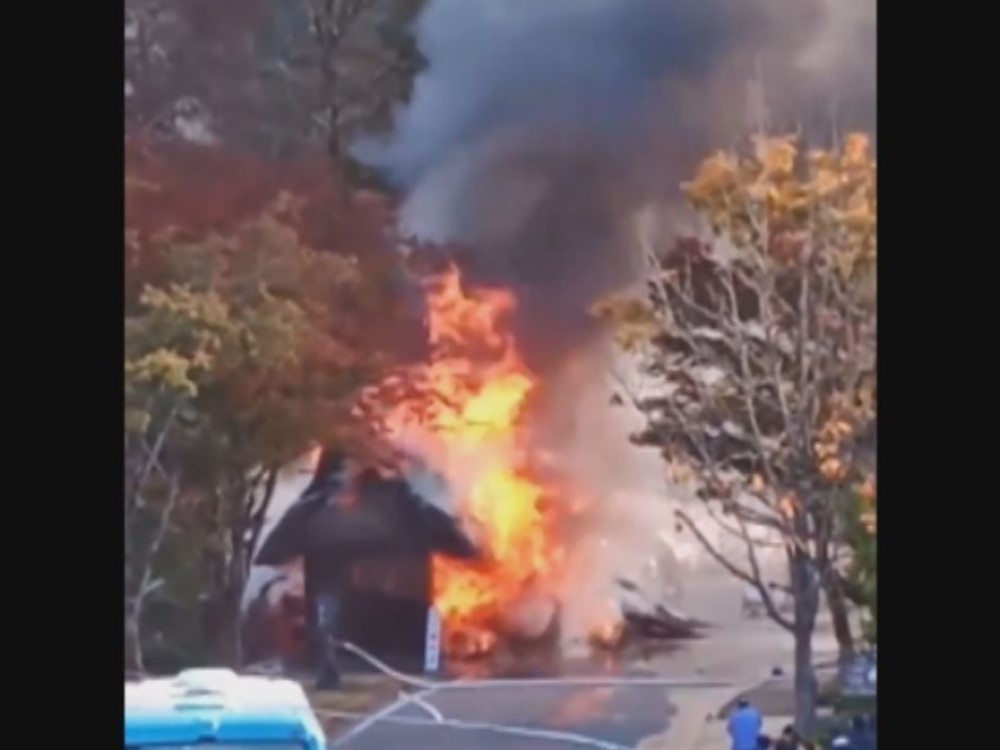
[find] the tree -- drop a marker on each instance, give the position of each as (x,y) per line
(368,59)
(242,350)
(198,71)
(860,582)
(760,340)
(193,190)
(270,77)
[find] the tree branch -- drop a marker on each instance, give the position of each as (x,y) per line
(758,519)
(152,457)
(752,578)
(146,583)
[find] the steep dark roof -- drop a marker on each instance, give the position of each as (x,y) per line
(387,519)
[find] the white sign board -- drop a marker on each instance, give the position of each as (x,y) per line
(432,644)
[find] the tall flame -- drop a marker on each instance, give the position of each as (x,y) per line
(468,407)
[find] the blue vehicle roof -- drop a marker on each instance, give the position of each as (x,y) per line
(219,706)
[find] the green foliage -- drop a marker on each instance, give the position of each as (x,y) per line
(246,332)
(862,574)
(242,351)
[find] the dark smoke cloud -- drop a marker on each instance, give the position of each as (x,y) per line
(539,126)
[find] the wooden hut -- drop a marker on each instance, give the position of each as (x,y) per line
(365,540)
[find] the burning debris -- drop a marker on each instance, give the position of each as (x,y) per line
(641,618)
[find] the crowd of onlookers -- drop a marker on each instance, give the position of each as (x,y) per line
(746,733)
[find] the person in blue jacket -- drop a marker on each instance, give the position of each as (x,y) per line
(745,725)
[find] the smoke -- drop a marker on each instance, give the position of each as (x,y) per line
(628,529)
(537,133)
(538,126)
(506,62)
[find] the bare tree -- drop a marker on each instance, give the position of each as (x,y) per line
(761,340)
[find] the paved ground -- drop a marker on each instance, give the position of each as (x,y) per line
(742,651)
(541,714)
(530,715)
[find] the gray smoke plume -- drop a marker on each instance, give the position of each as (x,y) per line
(539,126)
(537,134)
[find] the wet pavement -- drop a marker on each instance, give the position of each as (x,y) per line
(524,714)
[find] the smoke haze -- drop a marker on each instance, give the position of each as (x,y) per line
(539,126)
(541,129)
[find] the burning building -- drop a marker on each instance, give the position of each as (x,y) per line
(533,137)
(480,526)
(365,541)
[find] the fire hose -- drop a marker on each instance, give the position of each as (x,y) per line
(437,718)
(384,668)
(465,683)
(540,734)
(426,687)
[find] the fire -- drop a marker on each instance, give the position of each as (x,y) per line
(607,635)
(468,405)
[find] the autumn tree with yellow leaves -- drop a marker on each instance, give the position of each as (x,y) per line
(759,340)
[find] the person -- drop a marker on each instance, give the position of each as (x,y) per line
(745,725)
(788,740)
(764,742)
(861,736)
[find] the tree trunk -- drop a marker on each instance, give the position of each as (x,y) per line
(222,609)
(837,603)
(228,572)
(806,589)
(237,584)
(806,686)
(146,584)
(134,662)
(223,625)
(230,623)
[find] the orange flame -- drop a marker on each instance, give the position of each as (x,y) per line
(469,404)
(607,635)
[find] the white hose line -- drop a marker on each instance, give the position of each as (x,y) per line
(537,734)
(564,682)
(555,682)
(367,720)
(416,700)
(385,669)
(428,687)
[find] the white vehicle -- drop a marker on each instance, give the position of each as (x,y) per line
(217,709)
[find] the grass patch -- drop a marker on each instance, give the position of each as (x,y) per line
(357,695)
